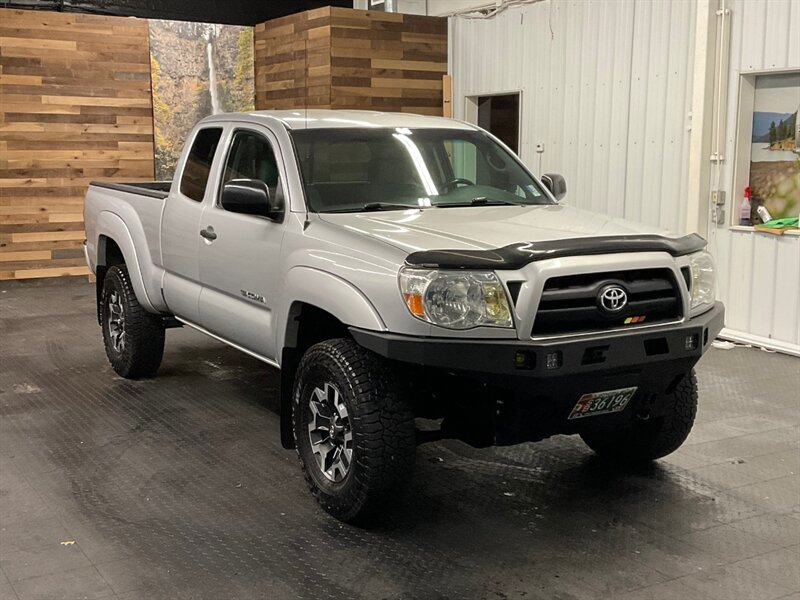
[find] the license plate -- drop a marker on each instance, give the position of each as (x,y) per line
(601,403)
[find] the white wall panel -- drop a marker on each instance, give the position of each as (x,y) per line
(785,317)
(407,7)
(760,274)
(605,87)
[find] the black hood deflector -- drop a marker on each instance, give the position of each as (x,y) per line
(516,256)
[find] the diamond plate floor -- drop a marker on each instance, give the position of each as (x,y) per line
(178,488)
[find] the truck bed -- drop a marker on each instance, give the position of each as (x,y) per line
(130,214)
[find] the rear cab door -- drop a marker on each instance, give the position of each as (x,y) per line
(180,222)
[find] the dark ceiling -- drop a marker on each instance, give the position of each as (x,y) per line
(233,12)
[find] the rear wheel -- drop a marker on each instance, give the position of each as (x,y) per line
(354,430)
(133,337)
(647,440)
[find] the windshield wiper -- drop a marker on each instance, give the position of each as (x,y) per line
(481,201)
(387,206)
(374,206)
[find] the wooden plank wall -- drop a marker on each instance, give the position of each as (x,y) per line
(344,58)
(293,61)
(387,61)
(75,106)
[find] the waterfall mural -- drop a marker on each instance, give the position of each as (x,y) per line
(196,69)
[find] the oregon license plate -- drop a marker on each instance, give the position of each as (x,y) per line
(601,403)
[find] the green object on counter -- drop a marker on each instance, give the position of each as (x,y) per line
(788,222)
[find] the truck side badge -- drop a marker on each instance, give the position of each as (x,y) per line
(253,296)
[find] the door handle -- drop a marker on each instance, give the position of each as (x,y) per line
(208,234)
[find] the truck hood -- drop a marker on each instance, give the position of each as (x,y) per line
(483,227)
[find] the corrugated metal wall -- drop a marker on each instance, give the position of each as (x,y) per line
(605,87)
(760,274)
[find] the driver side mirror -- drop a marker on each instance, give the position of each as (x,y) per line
(556,184)
(250,197)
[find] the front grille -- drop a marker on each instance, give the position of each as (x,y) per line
(570,304)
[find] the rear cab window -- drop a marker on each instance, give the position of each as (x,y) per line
(198,164)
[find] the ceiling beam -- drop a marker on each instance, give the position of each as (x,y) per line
(229,12)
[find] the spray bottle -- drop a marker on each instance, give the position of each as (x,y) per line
(744,208)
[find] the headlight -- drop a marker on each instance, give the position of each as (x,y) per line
(455,299)
(703,283)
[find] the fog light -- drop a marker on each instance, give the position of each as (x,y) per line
(554,360)
(525,360)
(690,343)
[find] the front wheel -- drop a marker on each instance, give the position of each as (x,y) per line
(353,428)
(133,337)
(644,441)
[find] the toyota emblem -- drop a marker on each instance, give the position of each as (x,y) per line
(612,298)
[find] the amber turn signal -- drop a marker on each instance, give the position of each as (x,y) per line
(414,304)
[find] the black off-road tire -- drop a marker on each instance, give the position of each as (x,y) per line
(140,354)
(645,441)
(381,424)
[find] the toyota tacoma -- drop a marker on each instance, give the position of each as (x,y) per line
(413,281)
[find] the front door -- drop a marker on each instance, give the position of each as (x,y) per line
(239,266)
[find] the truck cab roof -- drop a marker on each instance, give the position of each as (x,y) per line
(325,118)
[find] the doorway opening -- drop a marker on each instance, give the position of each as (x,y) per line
(499,115)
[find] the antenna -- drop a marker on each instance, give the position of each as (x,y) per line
(305,76)
(307,222)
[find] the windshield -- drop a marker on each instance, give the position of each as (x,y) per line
(353,170)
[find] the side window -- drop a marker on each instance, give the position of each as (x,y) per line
(251,157)
(198,163)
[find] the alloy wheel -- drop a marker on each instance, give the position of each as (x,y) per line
(116,322)
(330,432)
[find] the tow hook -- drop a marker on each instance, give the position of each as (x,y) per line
(644,411)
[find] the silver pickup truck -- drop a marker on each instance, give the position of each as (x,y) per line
(412,281)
